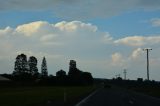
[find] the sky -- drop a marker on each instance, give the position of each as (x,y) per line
(103,36)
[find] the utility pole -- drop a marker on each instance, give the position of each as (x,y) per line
(147,50)
(125,72)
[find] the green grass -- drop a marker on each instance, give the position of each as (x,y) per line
(35,96)
(149,90)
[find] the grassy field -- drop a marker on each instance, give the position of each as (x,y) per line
(149,90)
(42,96)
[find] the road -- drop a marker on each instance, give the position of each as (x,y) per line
(118,97)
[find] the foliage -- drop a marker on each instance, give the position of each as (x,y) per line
(78,77)
(87,78)
(44,72)
(25,71)
(21,65)
(33,70)
(61,73)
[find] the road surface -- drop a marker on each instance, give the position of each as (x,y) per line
(118,97)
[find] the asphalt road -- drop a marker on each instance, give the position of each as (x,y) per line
(118,97)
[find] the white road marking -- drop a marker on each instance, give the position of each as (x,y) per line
(85,99)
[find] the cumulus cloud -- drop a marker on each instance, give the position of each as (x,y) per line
(155,22)
(5,31)
(118,59)
(133,61)
(42,32)
(80,9)
(32,28)
(136,53)
(75,25)
(138,40)
(63,41)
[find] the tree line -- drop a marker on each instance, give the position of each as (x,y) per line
(26,71)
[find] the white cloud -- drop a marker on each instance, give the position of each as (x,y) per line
(4,32)
(118,60)
(136,53)
(74,26)
(37,28)
(138,40)
(47,38)
(107,38)
(116,57)
(131,41)
(41,33)
(41,28)
(155,22)
(59,41)
(84,42)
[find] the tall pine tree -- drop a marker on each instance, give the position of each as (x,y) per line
(44,71)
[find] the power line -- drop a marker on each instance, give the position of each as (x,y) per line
(147,50)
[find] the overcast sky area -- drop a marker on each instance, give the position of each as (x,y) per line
(103,36)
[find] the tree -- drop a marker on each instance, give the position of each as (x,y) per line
(25,71)
(21,65)
(87,78)
(60,73)
(61,78)
(73,71)
(78,77)
(21,71)
(32,63)
(44,71)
